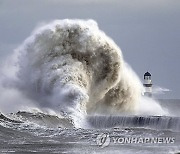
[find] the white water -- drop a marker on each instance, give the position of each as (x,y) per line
(71,66)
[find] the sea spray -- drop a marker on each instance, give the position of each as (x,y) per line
(149,106)
(73,68)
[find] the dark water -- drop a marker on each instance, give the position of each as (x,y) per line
(26,132)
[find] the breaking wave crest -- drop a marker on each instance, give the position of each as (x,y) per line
(72,67)
(39,119)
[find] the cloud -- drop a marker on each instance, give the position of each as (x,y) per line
(160,90)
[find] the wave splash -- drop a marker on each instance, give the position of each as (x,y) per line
(72,67)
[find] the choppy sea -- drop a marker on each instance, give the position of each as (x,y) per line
(26,132)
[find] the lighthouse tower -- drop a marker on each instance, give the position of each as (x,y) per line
(147,84)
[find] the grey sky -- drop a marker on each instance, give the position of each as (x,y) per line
(147,31)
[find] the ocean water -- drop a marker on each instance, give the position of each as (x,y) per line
(24,132)
(67,89)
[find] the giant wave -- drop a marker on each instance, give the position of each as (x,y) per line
(75,69)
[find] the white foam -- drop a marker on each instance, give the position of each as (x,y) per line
(71,66)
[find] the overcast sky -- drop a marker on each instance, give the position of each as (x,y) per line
(147,31)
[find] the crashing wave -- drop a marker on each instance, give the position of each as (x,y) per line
(73,66)
(150,122)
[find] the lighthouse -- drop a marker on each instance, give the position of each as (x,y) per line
(147,84)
